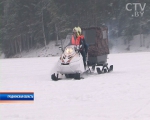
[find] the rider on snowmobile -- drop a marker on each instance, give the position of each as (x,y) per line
(79,40)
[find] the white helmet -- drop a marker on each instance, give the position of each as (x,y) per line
(79,30)
(75,30)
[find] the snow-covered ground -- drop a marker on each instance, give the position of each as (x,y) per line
(123,94)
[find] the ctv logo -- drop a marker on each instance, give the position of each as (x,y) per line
(137,8)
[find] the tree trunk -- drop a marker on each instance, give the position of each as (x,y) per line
(56,31)
(31,40)
(19,43)
(141,34)
(16,46)
(12,47)
(24,42)
(28,41)
(43,28)
(26,45)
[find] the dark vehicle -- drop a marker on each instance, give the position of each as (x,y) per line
(97,39)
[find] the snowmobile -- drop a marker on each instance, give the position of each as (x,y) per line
(71,64)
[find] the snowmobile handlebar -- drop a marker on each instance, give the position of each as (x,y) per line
(78,47)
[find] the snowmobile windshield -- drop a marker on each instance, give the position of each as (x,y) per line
(67,41)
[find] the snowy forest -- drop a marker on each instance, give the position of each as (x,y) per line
(24,24)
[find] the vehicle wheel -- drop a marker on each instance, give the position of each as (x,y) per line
(105,70)
(111,68)
(98,70)
(53,77)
